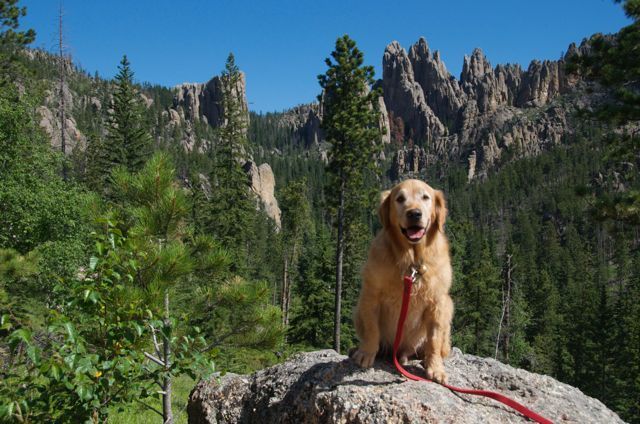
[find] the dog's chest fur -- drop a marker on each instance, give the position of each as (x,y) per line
(422,298)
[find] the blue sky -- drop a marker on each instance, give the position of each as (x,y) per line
(281,45)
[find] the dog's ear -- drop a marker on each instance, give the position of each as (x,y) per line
(383,209)
(441,210)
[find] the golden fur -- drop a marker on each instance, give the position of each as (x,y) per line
(411,204)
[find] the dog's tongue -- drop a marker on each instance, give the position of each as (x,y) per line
(415,233)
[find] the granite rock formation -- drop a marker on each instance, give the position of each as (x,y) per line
(194,102)
(486,112)
(304,121)
(404,96)
(197,101)
(474,119)
(441,91)
(263,185)
(325,387)
(409,161)
(51,124)
(201,102)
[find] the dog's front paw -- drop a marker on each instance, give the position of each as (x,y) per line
(437,375)
(436,372)
(363,358)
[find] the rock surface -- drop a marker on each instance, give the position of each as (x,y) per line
(487,111)
(441,91)
(263,184)
(404,96)
(304,122)
(50,122)
(325,387)
(196,101)
(408,162)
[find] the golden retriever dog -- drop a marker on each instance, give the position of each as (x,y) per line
(412,236)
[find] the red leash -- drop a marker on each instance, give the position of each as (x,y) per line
(408,282)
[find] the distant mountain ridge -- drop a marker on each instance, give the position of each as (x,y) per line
(486,117)
(483,114)
(476,119)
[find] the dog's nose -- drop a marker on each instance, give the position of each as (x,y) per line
(414,214)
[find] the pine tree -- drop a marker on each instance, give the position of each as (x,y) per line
(312,305)
(296,215)
(614,62)
(157,207)
(626,333)
(581,301)
(232,210)
(11,40)
(477,300)
(350,122)
(128,142)
(546,322)
(511,341)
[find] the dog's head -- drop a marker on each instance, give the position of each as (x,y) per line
(413,211)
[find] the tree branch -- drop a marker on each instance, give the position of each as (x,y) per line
(150,407)
(154,359)
(155,340)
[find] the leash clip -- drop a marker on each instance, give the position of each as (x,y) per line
(413,278)
(414,271)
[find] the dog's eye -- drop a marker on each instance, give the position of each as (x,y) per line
(400,199)
(425,197)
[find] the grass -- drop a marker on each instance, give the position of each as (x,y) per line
(138,414)
(243,361)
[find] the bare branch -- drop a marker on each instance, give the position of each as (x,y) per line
(156,345)
(154,359)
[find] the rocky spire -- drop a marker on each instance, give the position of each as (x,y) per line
(480,82)
(475,67)
(405,98)
(479,115)
(540,83)
(441,91)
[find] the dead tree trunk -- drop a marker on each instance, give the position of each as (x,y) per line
(339,260)
(285,288)
(505,319)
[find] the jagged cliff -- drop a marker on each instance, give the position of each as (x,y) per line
(195,102)
(203,101)
(425,112)
(483,114)
(305,122)
(474,119)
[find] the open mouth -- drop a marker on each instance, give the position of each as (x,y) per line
(414,233)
